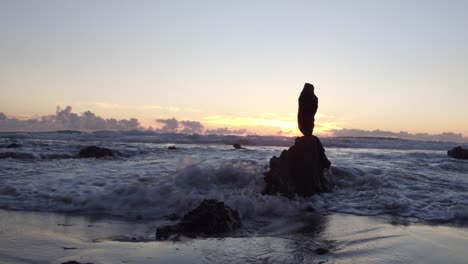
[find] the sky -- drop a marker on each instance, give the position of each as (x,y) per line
(388,65)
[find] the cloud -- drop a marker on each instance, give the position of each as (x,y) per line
(173,108)
(284,133)
(191,127)
(170,125)
(446,136)
(226,131)
(65,119)
(111,106)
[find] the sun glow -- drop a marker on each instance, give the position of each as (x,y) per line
(269,123)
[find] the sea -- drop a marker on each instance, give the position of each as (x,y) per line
(405,180)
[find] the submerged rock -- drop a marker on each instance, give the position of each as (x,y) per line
(16,155)
(458,153)
(302,169)
(97,152)
(75,262)
(237,146)
(321,251)
(211,217)
(12,145)
(308,105)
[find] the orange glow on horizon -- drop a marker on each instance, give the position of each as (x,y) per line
(269,126)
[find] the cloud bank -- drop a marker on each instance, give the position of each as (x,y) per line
(65,119)
(446,136)
(226,131)
(172,125)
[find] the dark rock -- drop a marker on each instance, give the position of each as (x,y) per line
(96,152)
(458,153)
(303,168)
(238,146)
(74,262)
(172,148)
(321,251)
(308,104)
(299,170)
(13,145)
(209,218)
(171,217)
(68,132)
(16,155)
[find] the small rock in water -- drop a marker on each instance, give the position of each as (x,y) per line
(458,153)
(172,148)
(321,251)
(96,152)
(16,155)
(75,262)
(13,145)
(238,146)
(209,218)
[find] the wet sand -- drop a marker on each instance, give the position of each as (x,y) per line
(30,237)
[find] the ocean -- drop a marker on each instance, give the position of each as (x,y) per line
(393,200)
(404,179)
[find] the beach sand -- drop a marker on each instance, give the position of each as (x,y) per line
(32,237)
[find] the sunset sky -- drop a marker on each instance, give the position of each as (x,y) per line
(389,65)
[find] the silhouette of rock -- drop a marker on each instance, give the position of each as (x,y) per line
(12,145)
(308,104)
(302,169)
(321,251)
(96,152)
(458,153)
(16,155)
(209,218)
(75,262)
(171,148)
(238,146)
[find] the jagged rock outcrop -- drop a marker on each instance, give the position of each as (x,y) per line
(209,218)
(303,168)
(97,152)
(458,153)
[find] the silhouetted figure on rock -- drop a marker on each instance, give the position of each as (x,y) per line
(302,168)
